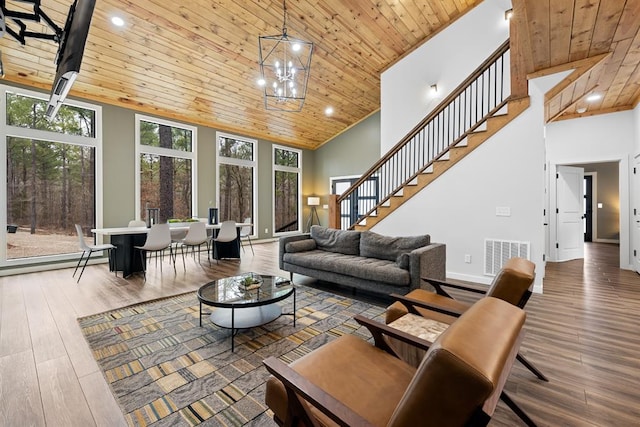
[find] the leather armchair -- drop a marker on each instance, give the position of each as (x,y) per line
(513,284)
(351,382)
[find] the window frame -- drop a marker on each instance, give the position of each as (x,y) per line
(239,162)
(292,169)
(42,135)
(167,152)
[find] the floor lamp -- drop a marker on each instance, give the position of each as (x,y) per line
(313,202)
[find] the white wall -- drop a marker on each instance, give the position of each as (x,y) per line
(459,208)
(446,60)
(601,138)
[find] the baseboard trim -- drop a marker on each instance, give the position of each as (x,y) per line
(606,241)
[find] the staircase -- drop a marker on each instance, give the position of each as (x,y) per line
(444,163)
(476,110)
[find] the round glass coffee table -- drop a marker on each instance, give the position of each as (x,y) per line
(246,301)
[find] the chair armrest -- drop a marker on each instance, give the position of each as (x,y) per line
(438,284)
(297,385)
(378,329)
(412,303)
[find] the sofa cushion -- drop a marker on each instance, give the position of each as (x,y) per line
(301,245)
(351,265)
(375,245)
(332,240)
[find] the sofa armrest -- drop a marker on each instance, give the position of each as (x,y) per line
(427,261)
(286,239)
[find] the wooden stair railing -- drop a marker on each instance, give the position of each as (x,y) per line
(481,96)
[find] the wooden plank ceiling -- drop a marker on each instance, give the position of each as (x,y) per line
(600,39)
(196,61)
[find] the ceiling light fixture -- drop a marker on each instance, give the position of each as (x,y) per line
(508,14)
(285,64)
(328,111)
(593,97)
(117,21)
(581,110)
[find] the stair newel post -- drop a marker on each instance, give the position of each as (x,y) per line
(334,212)
(519,46)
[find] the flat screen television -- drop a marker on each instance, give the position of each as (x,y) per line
(70,51)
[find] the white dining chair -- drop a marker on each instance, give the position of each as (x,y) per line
(88,250)
(158,240)
(196,237)
(245,232)
(137,223)
(226,234)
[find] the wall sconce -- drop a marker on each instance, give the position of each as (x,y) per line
(433,90)
(508,14)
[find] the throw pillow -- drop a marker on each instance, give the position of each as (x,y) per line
(403,261)
(340,241)
(301,246)
(374,245)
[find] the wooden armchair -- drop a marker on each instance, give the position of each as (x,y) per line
(512,284)
(350,382)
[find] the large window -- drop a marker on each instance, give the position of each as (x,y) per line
(286,189)
(236,167)
(166,153)
(50,169)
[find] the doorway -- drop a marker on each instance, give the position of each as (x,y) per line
(588,210)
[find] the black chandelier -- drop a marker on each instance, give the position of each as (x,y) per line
(285,63)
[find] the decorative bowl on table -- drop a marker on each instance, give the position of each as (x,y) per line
(250,282)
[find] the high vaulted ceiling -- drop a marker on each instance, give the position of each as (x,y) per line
(196,61)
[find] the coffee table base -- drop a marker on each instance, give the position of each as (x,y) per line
(243,318)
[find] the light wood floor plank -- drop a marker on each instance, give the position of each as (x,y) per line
(14,325)
(45,338)
(20,403)
(103,405)
(62,397)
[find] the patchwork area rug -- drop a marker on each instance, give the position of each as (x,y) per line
(165,370)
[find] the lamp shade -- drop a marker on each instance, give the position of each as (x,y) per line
(313,201)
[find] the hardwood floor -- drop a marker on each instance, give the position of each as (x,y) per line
(582,333)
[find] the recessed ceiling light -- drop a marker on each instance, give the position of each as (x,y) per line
(328,111)
(594,97)
(581,110)
(261,82)
(117,21)
(508,14)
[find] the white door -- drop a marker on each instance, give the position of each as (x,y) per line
(636,215)
(569,204)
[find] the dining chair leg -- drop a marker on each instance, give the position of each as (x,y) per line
(182,251)
(86,260)
(144,265)
(78,264)
(251,245)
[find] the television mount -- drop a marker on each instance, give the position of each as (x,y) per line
(17,17)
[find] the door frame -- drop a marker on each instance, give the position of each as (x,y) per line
(625,171)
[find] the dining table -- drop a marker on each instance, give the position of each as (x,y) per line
(125,239)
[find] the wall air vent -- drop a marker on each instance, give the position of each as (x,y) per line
(497,252)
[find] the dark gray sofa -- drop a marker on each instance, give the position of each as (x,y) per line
(363,260)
